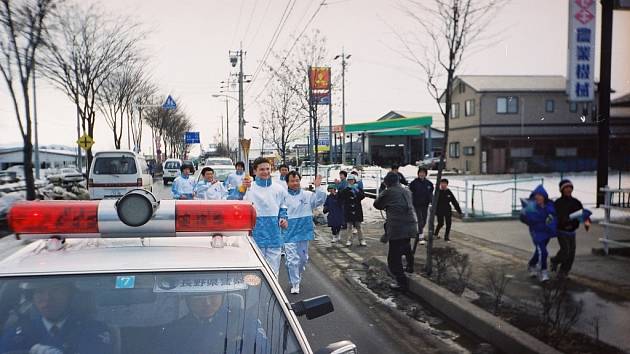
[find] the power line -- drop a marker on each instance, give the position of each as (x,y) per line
(292,46)
(238,22)
(261,22)
(249,23)
(274,38)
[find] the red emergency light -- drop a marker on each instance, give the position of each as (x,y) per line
(217,216)
(68,218)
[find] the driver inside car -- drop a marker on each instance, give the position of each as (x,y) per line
(53,327)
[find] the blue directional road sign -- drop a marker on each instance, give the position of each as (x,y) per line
(169,103)
(192,138)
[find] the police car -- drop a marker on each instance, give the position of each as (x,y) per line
(139,275)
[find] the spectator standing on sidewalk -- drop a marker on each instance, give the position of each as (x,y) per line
(401,178)
(359,181)
(568,221)
(351,198)
(540,215)
(300,231)
(400,226)
(422,191)
(332,207)
(443,211)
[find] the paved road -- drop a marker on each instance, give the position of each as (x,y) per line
(349,321)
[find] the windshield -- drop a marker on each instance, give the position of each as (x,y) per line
(119,165)
(210,312)
(218,162)
(172,165)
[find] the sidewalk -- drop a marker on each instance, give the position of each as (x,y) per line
(609,272)
(602,282)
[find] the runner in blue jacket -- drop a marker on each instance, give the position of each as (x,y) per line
(269,200)
(540,215)
(300,205)
(184,186)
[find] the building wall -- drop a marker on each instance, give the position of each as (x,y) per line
(11,158)
(464,130)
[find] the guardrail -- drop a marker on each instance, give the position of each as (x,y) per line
(622,204)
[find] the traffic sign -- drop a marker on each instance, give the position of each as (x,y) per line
(169,103)
(85,142)
(192,138)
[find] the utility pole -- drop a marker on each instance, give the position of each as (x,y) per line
(35,123)
(603,118)
(343,57)
(236,57)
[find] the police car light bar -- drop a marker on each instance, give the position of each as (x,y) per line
(99,219)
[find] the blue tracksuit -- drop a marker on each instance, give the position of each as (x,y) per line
(269,200)
(205,190)
(183,186)
(542,222)
(300,205)
(232,182)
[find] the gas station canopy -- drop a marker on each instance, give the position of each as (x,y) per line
(403,126)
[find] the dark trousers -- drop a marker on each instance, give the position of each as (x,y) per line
(566,254)
(335,230)
(398,248)
(421,214)
(441,219)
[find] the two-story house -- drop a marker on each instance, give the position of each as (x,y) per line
(507,124)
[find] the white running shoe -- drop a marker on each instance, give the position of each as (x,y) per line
(422,242)
(363,243)
(295,289)
(544,276)
(533,272)
(348,243)
(334,240)
(354,231)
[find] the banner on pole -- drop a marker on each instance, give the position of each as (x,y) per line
(581,51)
(319,78)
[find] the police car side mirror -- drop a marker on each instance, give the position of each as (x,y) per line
(313,307)
(343,347)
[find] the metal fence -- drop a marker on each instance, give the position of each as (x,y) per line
(618,200)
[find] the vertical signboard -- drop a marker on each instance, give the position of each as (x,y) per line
(581,53)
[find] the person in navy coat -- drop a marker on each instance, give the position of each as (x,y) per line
(332,207)
(53,327)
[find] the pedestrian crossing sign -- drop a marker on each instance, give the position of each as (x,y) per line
(85,142)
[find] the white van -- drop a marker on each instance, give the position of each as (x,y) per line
(114,173)
(171,170)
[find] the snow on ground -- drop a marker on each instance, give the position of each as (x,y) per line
(493,195)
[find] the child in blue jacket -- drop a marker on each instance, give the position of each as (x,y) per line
(540,215)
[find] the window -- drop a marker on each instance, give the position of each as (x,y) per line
(566,152)
(507,105)
(242,311)
(453,149)
(469,108)
(573,107)
(549,106)
(521,152)
(172,165)
(468,150)
(124,165)
(462,87)
(454,110)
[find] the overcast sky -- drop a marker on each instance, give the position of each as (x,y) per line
(189,41)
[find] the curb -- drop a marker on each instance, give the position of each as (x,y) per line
(492,329)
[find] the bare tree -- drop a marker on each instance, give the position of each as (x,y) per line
(22,32)
(144,93)
(452,27)
(294,74)
(87,47)
(282,117)
(170,126)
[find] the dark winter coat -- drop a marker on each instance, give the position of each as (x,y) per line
(332,207)
(351,200)
(542,221)
(445,199)
(401,220)
(422,190)
(565,206)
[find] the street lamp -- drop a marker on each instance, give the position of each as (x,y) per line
(227,116)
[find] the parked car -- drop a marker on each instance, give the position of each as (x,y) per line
(66,175)
(114,173)
(432,160)
(170,170)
